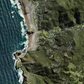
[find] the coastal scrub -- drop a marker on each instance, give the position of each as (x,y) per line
(59,56)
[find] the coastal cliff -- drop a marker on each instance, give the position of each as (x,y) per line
(56,47)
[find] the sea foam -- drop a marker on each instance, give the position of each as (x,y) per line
(22,23)
(20,72)
(16,4)
(22,30)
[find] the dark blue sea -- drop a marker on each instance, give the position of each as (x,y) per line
(12,38)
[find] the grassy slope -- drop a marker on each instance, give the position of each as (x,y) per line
(58,61)
(59,56)
(63,13)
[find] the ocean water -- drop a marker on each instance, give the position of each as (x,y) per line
(12,38)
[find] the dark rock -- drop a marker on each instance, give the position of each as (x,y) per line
(29,32)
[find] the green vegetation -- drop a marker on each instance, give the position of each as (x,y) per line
(30,31)
(62,13)
(59,57)
(34,14)
(56,60)
(17,54)
(16,57)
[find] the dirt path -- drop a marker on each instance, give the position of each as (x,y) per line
(28,10)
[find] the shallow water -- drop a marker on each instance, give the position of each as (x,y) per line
(12,38)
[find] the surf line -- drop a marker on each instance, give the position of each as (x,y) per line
(16,4)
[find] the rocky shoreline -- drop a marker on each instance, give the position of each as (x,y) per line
(28,9)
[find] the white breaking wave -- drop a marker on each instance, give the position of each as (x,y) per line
(12,12)
(24,34)
(20,72)
(12,16)
(22,30)
(15,4)
(26,42)
(21,13)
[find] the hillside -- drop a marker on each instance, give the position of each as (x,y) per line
(59,57)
